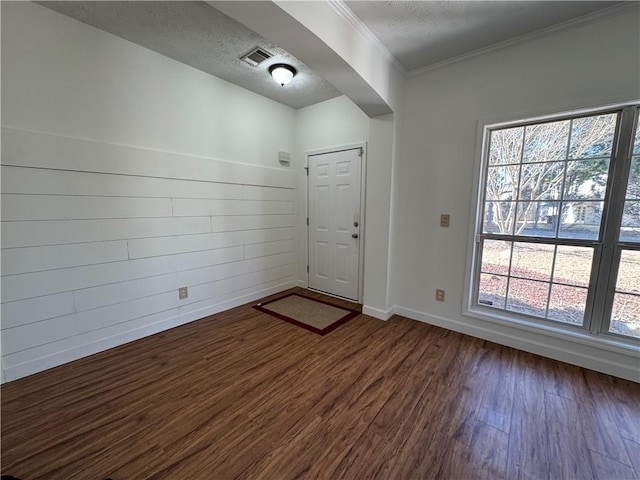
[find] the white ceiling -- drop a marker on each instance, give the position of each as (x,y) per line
(422,33)
(419,34)
(198,35)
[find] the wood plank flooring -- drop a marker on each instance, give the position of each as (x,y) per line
(244,395)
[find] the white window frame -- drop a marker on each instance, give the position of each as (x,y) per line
(594,334)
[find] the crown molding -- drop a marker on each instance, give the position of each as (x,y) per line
(345,12)
(574,22)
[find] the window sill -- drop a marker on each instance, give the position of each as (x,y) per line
(606,342)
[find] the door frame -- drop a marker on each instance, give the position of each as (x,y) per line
(363,176)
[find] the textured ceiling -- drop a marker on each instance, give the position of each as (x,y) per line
(417,33)
(422,33)
(198,35)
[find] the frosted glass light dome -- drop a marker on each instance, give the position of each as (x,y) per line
(282,73)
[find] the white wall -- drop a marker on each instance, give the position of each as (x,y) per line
(338,122)
(334,123)
(382,134)
(590,65)
(126,175)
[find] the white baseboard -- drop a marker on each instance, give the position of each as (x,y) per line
(301,284)
(587,356)
(378,313)
(14,372)
(612,363)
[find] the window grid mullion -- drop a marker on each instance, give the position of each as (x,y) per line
(479,242)
(547,240)
(610,262)
(485,180)
(553,268)
(506,291)
(518,188)
(604,266)
(564,179)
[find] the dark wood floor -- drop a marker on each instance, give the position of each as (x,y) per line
(245,395)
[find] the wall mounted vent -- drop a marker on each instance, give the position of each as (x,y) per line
(256,56)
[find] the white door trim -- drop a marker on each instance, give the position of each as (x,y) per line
(363,216)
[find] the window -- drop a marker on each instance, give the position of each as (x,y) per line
(558,236)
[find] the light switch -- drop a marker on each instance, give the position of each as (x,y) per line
(183,292)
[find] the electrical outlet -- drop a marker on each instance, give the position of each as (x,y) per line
(444,220)
(183,292)
(440,295)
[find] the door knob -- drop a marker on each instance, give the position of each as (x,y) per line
(354,235)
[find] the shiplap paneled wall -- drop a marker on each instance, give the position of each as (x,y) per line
(97,238)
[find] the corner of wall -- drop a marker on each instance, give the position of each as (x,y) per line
(378,313)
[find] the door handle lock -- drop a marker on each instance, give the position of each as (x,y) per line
(354,235)
(355,224)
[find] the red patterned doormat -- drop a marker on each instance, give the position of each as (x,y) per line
(315,315)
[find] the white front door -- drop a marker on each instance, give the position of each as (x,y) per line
(334,222)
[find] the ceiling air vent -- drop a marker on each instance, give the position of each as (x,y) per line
(256,56)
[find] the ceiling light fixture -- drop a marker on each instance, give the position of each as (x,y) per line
(282,73)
